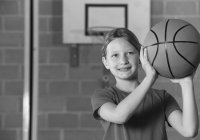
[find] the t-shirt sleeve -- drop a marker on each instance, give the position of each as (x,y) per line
(100,97)
(170,105)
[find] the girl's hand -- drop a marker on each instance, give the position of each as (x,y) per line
(185,80)
(147,67)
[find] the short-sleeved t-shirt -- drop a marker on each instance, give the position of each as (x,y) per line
(148,121)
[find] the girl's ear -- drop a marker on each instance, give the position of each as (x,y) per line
(105,62)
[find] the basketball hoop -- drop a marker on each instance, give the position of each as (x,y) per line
(99,30)
(97,33)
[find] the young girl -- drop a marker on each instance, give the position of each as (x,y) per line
(134,111)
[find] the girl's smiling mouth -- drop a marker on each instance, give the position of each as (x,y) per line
(124,69)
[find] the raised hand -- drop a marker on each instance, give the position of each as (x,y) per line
(147,67)
(184,80)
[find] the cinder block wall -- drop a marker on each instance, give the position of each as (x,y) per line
(65,91)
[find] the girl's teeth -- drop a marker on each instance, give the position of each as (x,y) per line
(124,69)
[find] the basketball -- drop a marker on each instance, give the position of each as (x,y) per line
(173,48)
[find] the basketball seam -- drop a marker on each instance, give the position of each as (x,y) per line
(156,48)
(155,44)
(166,52)
(177,49)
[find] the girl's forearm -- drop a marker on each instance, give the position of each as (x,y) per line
(126,108)
(190,120)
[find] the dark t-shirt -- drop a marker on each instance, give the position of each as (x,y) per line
(147,123)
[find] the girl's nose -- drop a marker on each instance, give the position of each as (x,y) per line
(124,60)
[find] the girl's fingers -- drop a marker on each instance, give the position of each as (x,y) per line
(146,54)
(143,55)
(141,52)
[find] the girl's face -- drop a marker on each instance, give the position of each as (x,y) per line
(122,59)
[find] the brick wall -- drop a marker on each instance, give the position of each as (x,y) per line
(65,91)
(11,69)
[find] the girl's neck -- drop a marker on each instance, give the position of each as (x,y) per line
(127,85)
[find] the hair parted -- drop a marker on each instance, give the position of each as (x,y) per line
(120,33)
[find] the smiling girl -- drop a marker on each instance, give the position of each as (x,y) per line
(131,110)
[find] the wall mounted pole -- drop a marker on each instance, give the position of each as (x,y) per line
(31,45)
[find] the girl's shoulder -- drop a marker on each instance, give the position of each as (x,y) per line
(111,93)
(158,93)
(107,91)
(161,94)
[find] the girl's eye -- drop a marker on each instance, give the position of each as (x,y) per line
(114,55)
(130,53)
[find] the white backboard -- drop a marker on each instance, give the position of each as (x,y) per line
(80,15)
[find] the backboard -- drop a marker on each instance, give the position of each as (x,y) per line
(81,15)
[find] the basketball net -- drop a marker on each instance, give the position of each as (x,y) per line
(97,33)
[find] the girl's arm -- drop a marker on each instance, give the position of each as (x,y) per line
(125,109)
(186,122)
